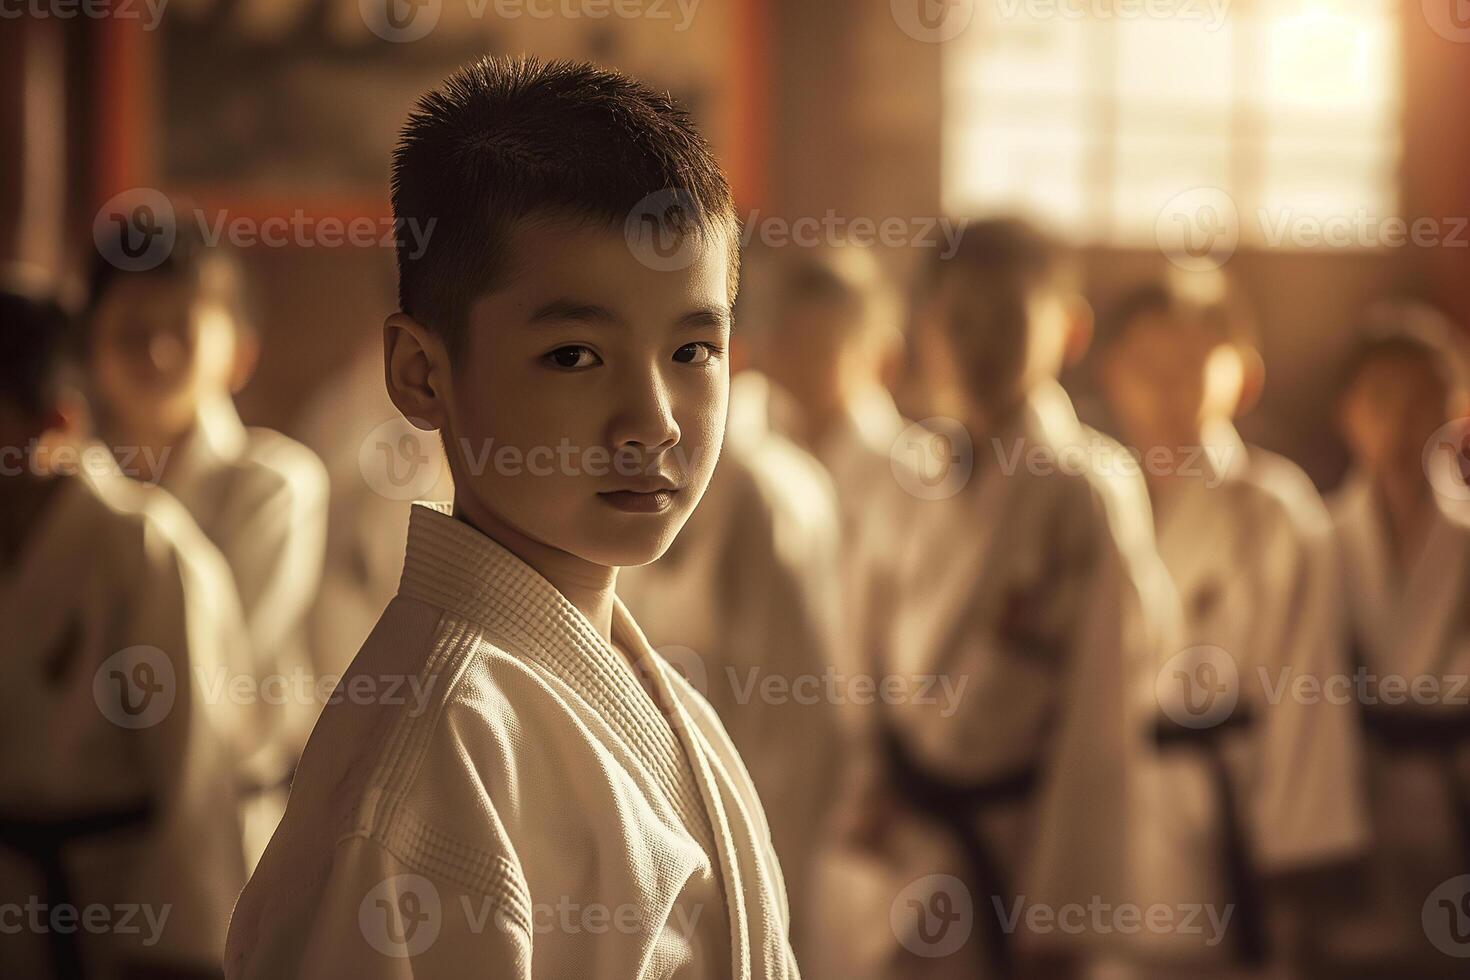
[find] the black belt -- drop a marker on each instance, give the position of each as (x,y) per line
(1249,942)
(1438,733)
(955,806)
(43,841)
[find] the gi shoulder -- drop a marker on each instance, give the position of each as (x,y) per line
(128,517)
(782,479)
(1117,490)
(280,467)
(1289,487)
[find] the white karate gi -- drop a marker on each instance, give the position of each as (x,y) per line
(747,602)
(262,499)
(1249,545)
(114,566)
(1410,627)
(525,809)
(1039,590)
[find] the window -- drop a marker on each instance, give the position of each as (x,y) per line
(1095,121)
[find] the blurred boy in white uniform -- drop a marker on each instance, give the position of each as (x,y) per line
(821,330)
(540,795)
(1262,791)
(166,348)
(117,785)
(1403,523)
(1033,591)
(377,465)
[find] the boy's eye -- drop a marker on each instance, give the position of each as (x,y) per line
(573,357)
(696,353)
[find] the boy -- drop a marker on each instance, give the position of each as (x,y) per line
(1036,587)
(1403,522)
(116,789)
(537,812)
(1248,543)
(166,350)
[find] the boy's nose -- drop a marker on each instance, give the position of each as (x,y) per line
(646,419)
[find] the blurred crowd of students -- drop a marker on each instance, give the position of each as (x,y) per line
(981,665)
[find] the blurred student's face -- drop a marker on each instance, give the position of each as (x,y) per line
(603,385)
(158,349)
(1168,372)
(991,362)
(808,343)
(1390,410)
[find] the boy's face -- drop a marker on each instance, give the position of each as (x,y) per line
(1170,372)
(588,405)
(158,348)
(1390,410)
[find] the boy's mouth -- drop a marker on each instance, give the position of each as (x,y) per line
(640,501)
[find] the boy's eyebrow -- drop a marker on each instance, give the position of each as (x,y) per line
(708,316)
(563,310)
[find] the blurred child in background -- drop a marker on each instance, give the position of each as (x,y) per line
(1403,520)
(1034,589)
(377,465)
(166,350)
(118,784)
(1272,796)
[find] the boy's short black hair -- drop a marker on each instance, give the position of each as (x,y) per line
(1406,331)
(36,334)
(503,139)
(1000,265)
(1207,296)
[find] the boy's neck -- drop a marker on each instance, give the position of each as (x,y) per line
(587,585)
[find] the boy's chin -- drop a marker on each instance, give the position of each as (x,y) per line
(632,547)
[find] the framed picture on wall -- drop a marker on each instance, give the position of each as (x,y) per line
(274,106)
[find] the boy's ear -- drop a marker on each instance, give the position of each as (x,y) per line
(416,366)
(1252,378)
(1080,325)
